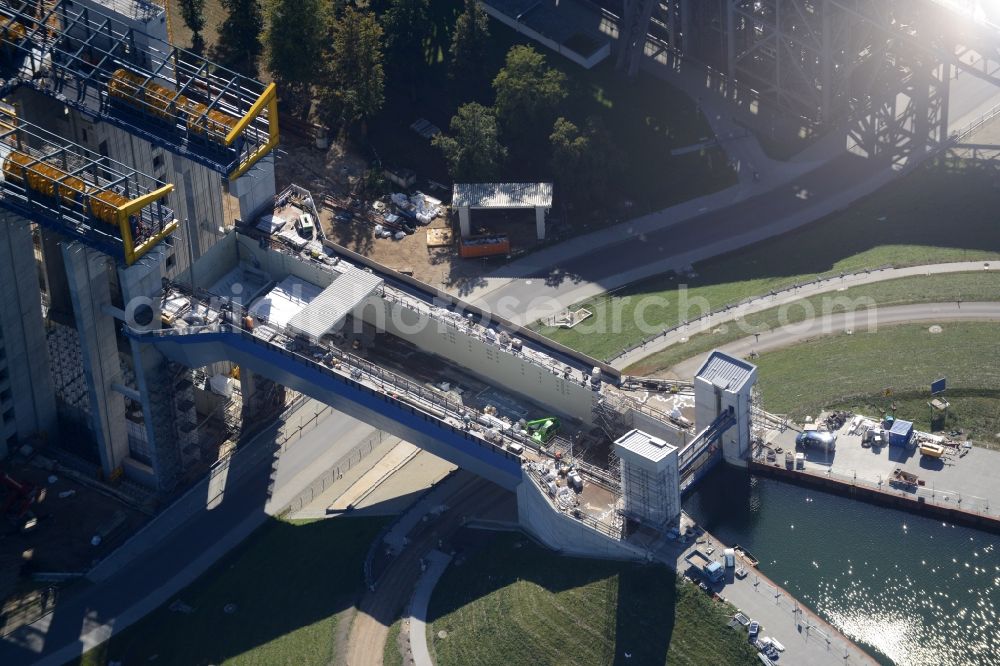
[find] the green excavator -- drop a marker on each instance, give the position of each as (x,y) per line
(542,430)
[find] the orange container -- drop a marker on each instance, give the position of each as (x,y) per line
(484,246)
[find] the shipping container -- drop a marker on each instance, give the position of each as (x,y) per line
(901,433)
(484,246)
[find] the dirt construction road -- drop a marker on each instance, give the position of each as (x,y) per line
(379,609)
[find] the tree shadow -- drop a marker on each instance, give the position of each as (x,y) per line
(943,204)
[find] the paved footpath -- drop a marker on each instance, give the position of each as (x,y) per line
(787,296)
(784,196)
(437,562)
(931,313)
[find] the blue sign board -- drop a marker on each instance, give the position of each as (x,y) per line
(937,386)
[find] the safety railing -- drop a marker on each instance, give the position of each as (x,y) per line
(734,305)
(940,497)
(335,473)
(358,370)
(613,530)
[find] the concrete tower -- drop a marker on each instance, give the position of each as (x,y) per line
(650,486)
(725,382)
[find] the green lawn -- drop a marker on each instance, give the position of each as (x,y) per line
(852,371)
(515,603)
(391,656)
(944,211)
(979,286)
(288,582)
(646,119)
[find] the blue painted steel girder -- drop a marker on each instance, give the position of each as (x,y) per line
(342,393)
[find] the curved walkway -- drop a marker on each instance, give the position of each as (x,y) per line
(822,326)
(437,563)
(785,297)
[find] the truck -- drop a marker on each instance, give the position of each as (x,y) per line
(710,570)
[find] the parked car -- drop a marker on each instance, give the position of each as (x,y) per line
(344,216)
(754,630)
(817,438)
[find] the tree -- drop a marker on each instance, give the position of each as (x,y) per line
(239,44)
(193,13)
(583,162)
(406,24)
(469,42)
(473,151)
(297,38)
(527,93)
(355,81)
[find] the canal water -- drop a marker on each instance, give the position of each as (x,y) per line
(910,590)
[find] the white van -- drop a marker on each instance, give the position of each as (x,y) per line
(729,555)
(515,448)
(305,226)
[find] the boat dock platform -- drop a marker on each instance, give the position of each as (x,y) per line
(957,486)
(807,638)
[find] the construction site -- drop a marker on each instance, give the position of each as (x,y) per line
(119,152)
(183,299)
(483,394)
(161,297)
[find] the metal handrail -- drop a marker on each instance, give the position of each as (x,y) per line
(747,301)
(375,373)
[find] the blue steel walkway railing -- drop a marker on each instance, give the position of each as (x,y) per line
(690,453)
(362,374)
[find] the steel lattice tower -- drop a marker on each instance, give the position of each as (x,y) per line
(879,68)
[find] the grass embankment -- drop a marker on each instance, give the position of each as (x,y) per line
(515,603)
(946,288)
(287,584)
(391,655)
(645,118)
(939,213)
(852,371)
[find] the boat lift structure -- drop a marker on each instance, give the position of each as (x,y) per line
(63,186)
(111,71)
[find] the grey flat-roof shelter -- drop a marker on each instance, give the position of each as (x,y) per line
(467,197)
(323,313)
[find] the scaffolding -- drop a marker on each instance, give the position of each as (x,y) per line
(648,498)
(110,71)
(824,61)
(106,205)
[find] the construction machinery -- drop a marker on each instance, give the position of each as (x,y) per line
(542,430)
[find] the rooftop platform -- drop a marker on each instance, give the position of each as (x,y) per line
(335,303)
(80,194)
(111,71)
(502,195)
(643,445)
(725,372)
